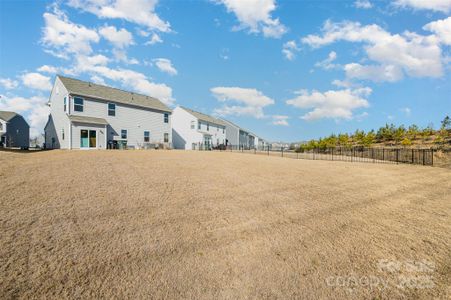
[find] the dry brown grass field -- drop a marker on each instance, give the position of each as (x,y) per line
(207,225)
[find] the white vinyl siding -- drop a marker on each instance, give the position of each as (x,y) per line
(134,119)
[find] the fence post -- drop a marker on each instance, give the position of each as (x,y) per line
(412,157)
(383,154)
(332,154)
(397,156)
(268,150)
(282,151)
(352,153)
(432,157)
(423,155)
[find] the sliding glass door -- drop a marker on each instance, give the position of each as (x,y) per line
(88,138)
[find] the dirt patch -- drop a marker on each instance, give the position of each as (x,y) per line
(201,225)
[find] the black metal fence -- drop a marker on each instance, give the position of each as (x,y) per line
(355,154)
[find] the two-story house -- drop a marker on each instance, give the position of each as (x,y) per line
(14,130)
(241,138)
(84,115)
(193,130)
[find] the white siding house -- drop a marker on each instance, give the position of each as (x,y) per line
(14,130)
(194,130)
(85,115)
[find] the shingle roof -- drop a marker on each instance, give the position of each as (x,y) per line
(89,120)
(89,89)
(7,115)
(242,129)
(204,117)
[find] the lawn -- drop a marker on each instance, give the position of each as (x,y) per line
(204,225)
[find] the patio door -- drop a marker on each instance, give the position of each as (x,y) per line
(207,142)
(88,138)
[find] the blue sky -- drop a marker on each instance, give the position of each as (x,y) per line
(286,70)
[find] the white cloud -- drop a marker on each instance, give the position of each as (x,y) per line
(251,101)
(37,81)
(165,65)
(120,55)
(342,83)
(289,49)
(435,5)
(97,66)
(442,29)
(98,80)
(328,64)
(375,73)
(34,109)
(119,38)
(154,39)
(414,54)
(331,104)
(364,4)
(48,69)
(9,84)
(255,15)
(141,12)
(66,37)
(280,120)
(406,110)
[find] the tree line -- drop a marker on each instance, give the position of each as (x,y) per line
(389,134)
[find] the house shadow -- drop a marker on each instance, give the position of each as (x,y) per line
(177,141)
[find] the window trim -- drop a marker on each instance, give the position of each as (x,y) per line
(82,105)
(111,110)
(148,136)
(208,126)
(122,134)
(166,135)
(199,125)
(166,117)
(65,104)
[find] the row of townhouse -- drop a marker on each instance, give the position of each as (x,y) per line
(85,115)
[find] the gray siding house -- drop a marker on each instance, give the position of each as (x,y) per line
(14,130)
(241,138)
(84,115)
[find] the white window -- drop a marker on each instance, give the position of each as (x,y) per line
(208,127)
(62,134)
(78,104)
(65,104)
(193,124)
(1,126)
(166,137)
(146,136)
(166,118)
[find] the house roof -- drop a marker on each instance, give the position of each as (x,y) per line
(204,117)
(89,120)
(7,115)
(89,89)
(242,129)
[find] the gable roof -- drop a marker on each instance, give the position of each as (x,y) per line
(240,128)
(89,89)
(204,117)
(7,115)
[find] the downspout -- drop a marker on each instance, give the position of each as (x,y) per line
(70,123)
